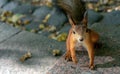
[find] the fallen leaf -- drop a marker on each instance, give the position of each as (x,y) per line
(26,56)
(56,52)
(62,37)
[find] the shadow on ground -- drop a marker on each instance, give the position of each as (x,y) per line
(109,48)
(110,44)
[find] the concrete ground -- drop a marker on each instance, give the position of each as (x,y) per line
(14,43)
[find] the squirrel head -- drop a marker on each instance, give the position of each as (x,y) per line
(79,30)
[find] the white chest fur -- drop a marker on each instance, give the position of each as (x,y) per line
(79,46)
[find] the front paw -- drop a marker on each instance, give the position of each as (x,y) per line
(68,57)
(75,60)
(92,67)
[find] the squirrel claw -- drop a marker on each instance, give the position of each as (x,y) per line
(68,57)
(75,60)
(92,67)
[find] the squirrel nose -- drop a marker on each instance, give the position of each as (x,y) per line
(81,39)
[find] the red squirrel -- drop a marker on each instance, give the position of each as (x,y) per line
(79,34)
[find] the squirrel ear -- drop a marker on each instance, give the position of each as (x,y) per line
(85,19)
(71,21)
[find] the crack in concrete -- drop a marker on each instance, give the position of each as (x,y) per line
(10,37)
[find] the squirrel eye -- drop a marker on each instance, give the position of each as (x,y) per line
(73,32)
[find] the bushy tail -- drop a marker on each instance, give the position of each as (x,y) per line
(74,8)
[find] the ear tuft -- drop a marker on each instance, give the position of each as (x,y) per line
(85,19)
(71,21)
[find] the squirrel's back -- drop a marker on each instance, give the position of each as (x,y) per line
(73,8)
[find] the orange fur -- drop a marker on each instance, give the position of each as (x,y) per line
(79,34)
(91,37)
